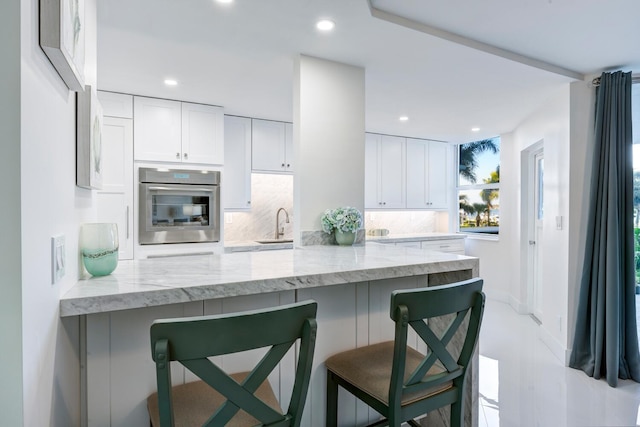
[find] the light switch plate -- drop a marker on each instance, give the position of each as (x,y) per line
(58,258)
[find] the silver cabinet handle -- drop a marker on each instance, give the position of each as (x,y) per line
(288,165)
(127,222)
(249,202)
(177,155)
(282,165)
(186,156)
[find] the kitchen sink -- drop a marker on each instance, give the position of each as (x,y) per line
(271,241)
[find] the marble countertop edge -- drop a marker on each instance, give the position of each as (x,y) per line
(134,286)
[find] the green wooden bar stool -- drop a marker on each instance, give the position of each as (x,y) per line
(399,382)
(240,399)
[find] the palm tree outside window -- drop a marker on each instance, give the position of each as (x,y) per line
(479,186)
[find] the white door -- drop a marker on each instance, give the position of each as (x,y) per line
(538,216)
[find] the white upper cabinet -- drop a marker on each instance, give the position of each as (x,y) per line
(116,104)
(272,144)
(173,131)
(426,174)
(385,172)
(202,134)
(237,163)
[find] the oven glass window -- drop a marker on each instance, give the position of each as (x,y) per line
(179,210)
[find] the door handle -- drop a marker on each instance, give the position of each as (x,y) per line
(532,242)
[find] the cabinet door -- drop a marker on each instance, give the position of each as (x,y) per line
(455,246)
(392,172)
(288,147)
(267,146)
(116,104)
(237,163)
(158,129)
(417,174)
(371,175)
(437,175)
(115,200)
(202,134)
(426,174)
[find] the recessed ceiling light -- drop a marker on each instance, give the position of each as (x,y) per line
(224,1)
(403,118)
(170,82)
(475,129)
(325,25)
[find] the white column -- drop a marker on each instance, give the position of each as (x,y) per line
(328,138)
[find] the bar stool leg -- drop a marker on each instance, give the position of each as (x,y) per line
(332,400)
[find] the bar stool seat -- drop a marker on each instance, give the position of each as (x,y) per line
(399,382)
(369,369)
(193,401)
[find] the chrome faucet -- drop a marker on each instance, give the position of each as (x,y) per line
(280,231)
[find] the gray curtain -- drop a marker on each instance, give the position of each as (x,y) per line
(606,340)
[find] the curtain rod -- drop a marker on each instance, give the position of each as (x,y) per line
(635,78)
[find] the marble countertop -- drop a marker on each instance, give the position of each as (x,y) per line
(414,237)
(161,281)
(252,245)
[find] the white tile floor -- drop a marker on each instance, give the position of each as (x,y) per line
(522,384)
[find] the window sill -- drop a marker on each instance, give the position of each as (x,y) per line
(478,236)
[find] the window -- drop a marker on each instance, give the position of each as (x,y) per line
(479,186)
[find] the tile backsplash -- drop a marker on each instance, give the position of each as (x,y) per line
(269,192)
(403,222)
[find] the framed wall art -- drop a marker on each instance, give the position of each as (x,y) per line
(89,140)
(62,39)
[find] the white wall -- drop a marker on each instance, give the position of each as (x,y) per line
(551,125)
(10,245)
(51,204)
(328,126)
(562,125)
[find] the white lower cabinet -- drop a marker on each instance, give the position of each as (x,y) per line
(121,372)
(409,244)
(455,246)
(236,187)
(115,200)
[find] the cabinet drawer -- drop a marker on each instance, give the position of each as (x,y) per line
(451,245)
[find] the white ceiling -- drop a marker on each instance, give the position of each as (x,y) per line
(241,56)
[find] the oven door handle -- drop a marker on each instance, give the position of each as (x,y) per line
(183,189)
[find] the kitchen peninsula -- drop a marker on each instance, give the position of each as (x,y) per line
(351,284)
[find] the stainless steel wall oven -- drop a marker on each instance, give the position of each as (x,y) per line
(178,206)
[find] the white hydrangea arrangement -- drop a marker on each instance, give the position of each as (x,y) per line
(346,219)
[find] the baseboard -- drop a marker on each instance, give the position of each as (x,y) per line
(497,296)
(518,306)
(558,350)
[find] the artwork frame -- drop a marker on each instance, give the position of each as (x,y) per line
(89,140)
(62,38)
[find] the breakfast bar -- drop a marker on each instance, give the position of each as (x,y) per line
(352,286)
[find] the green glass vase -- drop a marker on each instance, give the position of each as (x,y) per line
(345,238)
(99,248)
